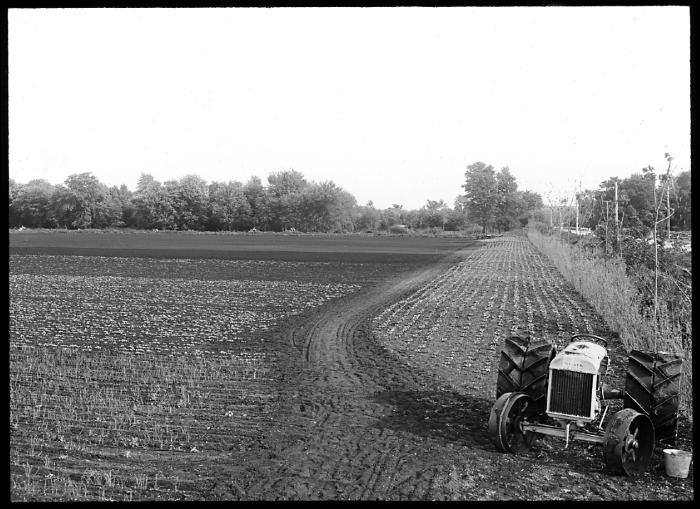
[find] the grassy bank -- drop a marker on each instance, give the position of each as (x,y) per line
(607,287)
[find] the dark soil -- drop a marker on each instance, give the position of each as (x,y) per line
(235,246)
(353,420)
(357,422)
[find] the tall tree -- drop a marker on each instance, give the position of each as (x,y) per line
(153,204)
(392,216)
(285,191)
(13,220)
(31,204)
(345,211)
(124,197)
(508,202)
(635,202)
(228,207)
(681,202)
(62,207)
(317,207)
(455,220)
(481,192)
(531,200)
(636,199)
(368,217)
(281,183)
(258,200)
(88,204)
(189,197)
(433,214)
(110,209)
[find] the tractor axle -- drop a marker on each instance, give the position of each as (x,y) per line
(556,431)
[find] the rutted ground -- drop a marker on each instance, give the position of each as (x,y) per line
(139,378)
(371,419)
(385,394)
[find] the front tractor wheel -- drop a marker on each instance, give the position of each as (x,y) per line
(524,367)
(506,419)
(629,442)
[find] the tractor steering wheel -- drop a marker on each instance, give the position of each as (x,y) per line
(597,339)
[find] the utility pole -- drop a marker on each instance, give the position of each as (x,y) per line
(561,223)
(607,220)
(617,224)
(577,215)
(668,192)
(668,206)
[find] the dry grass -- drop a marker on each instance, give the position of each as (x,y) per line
(606,286)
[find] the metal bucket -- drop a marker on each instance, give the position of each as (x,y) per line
(677,462)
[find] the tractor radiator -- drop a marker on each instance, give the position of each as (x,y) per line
(571,393)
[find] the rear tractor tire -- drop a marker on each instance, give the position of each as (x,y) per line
(651,387)
(524,367)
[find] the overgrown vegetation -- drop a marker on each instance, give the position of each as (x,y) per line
(642,199)
(621,288)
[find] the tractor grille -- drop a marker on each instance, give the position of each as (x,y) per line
(571,393)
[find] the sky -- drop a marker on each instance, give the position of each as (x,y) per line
(391,104)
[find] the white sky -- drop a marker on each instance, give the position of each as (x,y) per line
(391,104)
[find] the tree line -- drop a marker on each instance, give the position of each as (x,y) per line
(643,199)
(287,201)
(493,199)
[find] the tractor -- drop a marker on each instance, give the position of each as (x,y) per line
(540,392)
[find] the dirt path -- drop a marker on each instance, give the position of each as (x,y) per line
(345,420)
(356,421)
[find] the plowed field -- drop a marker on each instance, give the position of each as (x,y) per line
(198,370)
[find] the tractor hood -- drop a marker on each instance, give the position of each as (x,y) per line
(580,356)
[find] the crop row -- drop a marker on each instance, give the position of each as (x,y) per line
(106,369)
(458,321)
(196,268)
(154,315)
(119,394)
(76,414)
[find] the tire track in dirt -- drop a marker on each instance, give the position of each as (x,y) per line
(360,420)
(344,401)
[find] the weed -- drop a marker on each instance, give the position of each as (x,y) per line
(141,481)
